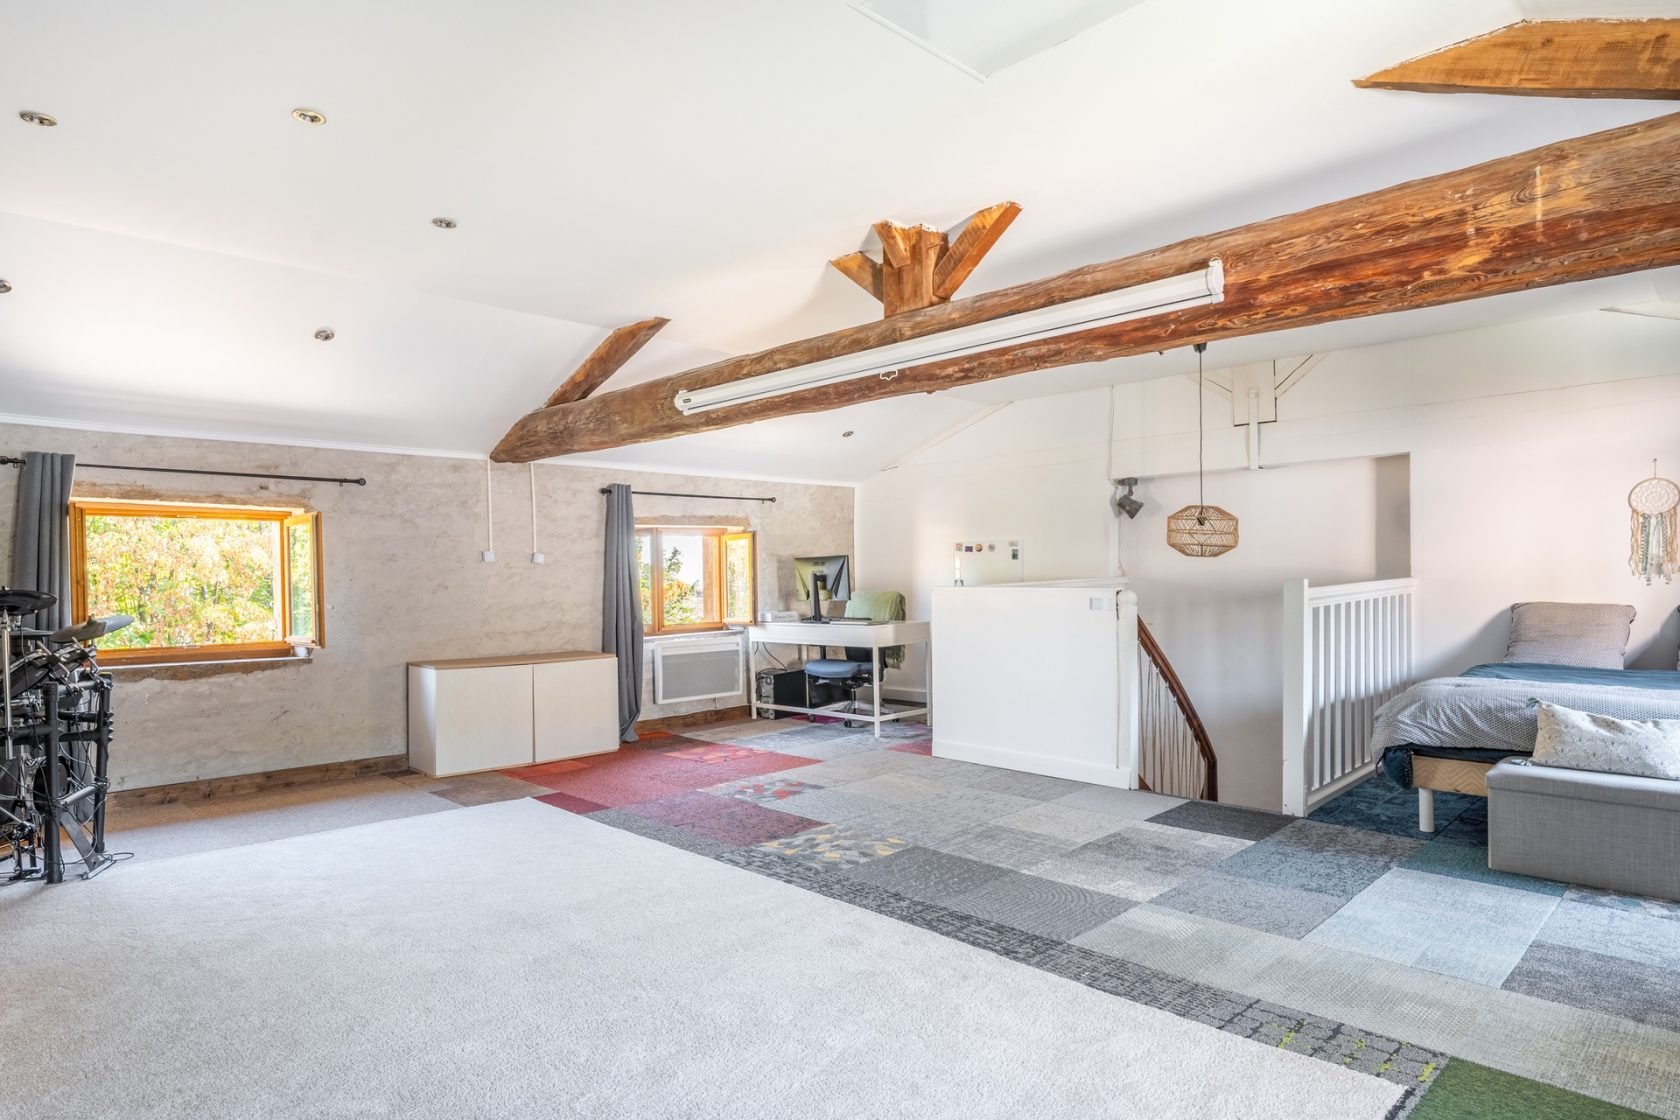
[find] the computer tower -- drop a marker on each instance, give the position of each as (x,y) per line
(788,686)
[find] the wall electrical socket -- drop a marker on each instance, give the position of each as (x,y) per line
(538,558)
(489,556)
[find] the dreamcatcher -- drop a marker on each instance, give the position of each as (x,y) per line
(1656,544)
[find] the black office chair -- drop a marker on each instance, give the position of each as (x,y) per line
(850,674)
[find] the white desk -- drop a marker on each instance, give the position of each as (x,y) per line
(874,636)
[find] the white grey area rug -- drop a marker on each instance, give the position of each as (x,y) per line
(514,960)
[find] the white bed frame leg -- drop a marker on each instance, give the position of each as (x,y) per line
(1426,810)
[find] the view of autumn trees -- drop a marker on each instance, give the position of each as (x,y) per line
(187,581)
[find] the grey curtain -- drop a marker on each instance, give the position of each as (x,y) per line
(621,608)
(41,551)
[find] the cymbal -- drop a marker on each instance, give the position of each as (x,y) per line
(18,601)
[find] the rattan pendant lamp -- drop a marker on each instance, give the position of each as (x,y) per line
(1201,529)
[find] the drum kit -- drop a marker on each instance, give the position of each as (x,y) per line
(55,743)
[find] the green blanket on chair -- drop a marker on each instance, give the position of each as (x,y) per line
(880,606)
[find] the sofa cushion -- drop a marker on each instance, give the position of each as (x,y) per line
(1648,748)
(1587,635)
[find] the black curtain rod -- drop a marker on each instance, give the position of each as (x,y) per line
(12,461)
(668,494)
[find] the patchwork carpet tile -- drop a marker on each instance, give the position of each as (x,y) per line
(763,792)
(1064,822)
(712,752)
(1610,900)
(1128,804)
(915,746)
(831,846)
(979,806)
(1140,860)
(1036,787)
(754,764)
(1377,805)
(831,806)
(913,823)
(539,774)
(737,823)
(1599,982)
(1215,913)
(1633,935)
(486,789)
(1471,930)
(569,803)
(1467,1091)
(1324,858)
(893,789)
(1469,861)
(1250,903)
(1004,846)
(665,833)
(1044,907)
(1223,820)
(1414,1067)
(925,874)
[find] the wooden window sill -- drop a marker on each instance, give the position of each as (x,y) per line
(194,670)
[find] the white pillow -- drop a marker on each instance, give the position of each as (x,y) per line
(1647,748)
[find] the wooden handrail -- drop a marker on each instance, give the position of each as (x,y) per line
(1198,731)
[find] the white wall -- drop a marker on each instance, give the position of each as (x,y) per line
(1500,459)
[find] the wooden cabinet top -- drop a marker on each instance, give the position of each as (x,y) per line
(511,659)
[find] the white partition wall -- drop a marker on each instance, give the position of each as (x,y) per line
(1040,677)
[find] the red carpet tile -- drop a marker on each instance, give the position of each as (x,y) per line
(569,803)
(918,746)
(540,773)
(751,766)
(721,818)
(630,775)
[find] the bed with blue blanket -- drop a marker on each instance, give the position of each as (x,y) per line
(1444,734)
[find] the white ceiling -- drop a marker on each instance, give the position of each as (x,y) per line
(177,240)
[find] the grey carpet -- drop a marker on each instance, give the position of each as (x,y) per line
(511,960)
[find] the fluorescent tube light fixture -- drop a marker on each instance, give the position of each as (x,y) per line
(1193,289)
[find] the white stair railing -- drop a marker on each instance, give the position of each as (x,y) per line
(1347,648)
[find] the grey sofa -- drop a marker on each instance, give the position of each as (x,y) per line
(1580,826)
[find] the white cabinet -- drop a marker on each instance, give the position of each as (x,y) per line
(489,713)
(575,707)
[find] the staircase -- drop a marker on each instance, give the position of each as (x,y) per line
(1175,756)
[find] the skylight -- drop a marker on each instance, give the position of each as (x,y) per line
(982,37)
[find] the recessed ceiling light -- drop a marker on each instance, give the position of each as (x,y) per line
(29,117)
(325,334)
(445,223)
(309,116)
(5,286)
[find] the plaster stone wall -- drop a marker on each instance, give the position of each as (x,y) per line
(403,581)
(1493,465)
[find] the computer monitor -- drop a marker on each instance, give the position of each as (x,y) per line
(835,573)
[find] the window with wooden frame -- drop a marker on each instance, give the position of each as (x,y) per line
(696,578)
(202,582)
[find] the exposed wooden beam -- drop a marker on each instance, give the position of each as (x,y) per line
(919,265)
(605,360)
(1551,58)
(1598,205)
(978,235)
(862,270)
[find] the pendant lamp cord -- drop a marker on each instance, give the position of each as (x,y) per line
(1201,438)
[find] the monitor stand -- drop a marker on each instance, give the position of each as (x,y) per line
(819,584)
